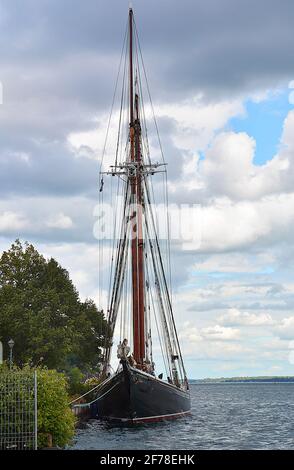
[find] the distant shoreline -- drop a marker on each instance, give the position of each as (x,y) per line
(230,380)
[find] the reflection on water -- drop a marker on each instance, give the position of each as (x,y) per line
(224,416)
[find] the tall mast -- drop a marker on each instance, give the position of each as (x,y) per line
(134,172)
(137,245)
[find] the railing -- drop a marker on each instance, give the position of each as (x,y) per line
(18,410)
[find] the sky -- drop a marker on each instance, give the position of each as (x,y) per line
(221,75)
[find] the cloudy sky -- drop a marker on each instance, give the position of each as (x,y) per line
(221,74)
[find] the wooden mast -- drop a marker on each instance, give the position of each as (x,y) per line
(137,246)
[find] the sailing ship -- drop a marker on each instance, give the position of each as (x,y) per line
(135,392)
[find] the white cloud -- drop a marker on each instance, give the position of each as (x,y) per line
(235,317)
(227,225)
(286,328)
(228,168)
(229,171)
(213,333)
(12,221)
(243,204)
(235,263)
(23,156)
(288,133)
(210,343)
(60,221)
(190,333)
(220,333)
(197,122)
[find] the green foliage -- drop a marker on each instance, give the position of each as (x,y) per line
(16,387)
(75,378)
(41,310)
(54,415)
(78,385)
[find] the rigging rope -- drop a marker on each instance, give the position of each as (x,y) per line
(120,259)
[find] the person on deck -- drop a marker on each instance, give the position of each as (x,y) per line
(123,350)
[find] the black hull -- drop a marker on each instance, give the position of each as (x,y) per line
(131,396)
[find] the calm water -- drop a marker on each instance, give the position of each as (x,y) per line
(224,416)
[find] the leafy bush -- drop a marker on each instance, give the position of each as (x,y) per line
(54,415)
(92,382)
(16,387)
(75,378)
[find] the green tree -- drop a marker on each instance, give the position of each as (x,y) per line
(41,310)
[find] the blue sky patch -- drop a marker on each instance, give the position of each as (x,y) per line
(264,122)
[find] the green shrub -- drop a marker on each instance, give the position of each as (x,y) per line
(75,378)
(54,415)
(16,387)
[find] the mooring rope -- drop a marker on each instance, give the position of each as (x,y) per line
(82,396)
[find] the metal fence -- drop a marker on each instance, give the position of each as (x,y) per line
(18,410)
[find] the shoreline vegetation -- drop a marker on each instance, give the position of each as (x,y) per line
(230,380)
(54,331)
(56,421)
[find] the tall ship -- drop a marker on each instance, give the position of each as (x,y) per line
(141,325)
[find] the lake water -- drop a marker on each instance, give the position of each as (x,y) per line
(224,416)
